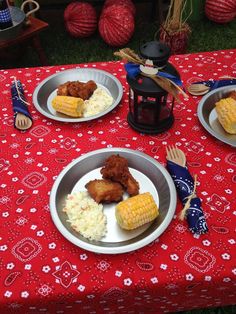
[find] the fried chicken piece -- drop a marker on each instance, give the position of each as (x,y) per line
(105,191)
(232,94)
(91,85)
(63,89)
(116,169)
(74,88)
(87,90)
(77,89)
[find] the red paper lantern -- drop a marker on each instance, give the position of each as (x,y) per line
(220,11)
(126,3)
(116,25)
(80,19)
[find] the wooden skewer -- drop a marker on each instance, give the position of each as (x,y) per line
(157,79)
(179,89)
(165,84)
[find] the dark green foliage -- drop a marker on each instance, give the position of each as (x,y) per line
(209,36)
(219,310)
(61,48)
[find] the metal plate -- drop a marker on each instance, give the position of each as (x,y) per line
(152,177)
(18,18)
(208,116)
(46,90)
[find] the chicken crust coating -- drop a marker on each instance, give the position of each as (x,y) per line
(105,191)
(232,94)
(63,89)
(74,88)
(77,89)
(116,169)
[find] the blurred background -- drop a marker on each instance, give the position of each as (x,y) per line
(60,47)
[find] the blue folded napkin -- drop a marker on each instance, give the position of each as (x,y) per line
(184,184)
(213,84)
(18,100)
(133,70)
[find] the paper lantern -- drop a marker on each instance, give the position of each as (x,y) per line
(116,25)
(220,11)
(126,3)
(80,19)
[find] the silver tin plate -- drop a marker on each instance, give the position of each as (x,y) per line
(18,18)
(46,90)
(150,174)
(208,116)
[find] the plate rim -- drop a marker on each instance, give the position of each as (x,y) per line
(84,119)
(121,249)
(204,124)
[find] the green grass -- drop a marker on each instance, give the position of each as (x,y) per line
(219,310)
(209,36)
(61,48)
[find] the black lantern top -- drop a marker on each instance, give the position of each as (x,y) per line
(159,54)
(156,51)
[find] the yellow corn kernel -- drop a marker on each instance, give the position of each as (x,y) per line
(226,112)
(71,106)
(136,211)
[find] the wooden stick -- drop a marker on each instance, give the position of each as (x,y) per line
(165,84)
(183,212)
(129,55)
(179,89)
(162,82)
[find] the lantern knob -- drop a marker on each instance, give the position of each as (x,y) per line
(156,51)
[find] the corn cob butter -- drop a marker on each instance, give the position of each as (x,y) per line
(136,211)
(71,106)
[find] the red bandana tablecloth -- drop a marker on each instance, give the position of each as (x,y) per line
(41,272)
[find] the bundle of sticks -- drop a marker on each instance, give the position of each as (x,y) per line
(165,83)
(175,21)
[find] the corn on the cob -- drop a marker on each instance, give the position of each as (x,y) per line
(136,211)
(71,106)
(226,112)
